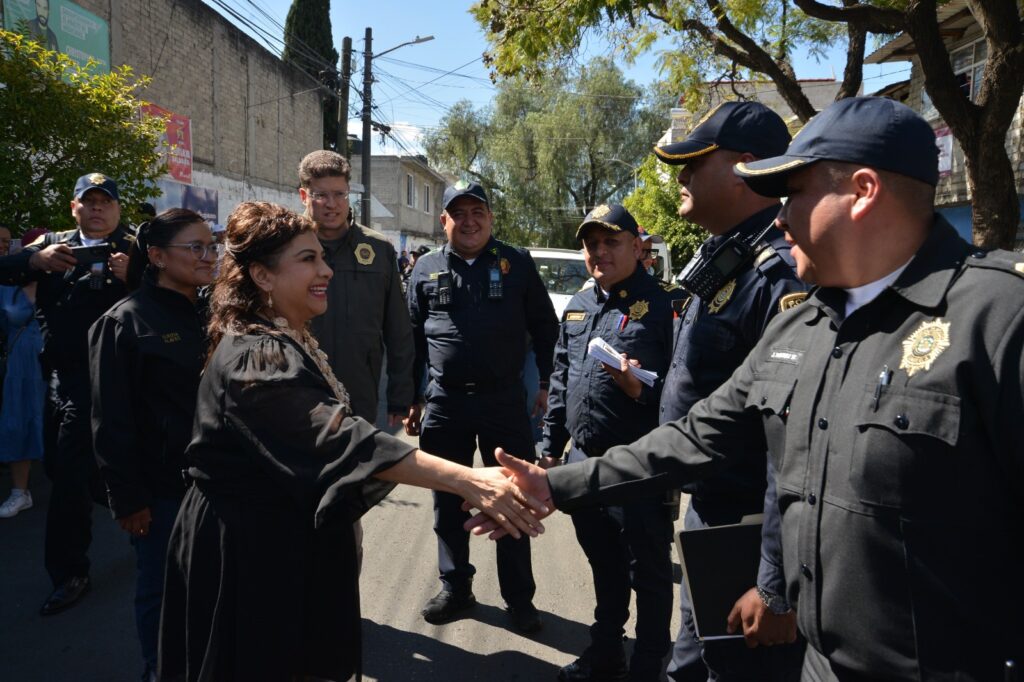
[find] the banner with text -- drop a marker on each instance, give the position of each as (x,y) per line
(176,143)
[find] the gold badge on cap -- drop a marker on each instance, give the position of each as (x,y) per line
(600,211)
(638,310)
(792,300)
(922,347)
(365,254)
(505,266)
(722,297)
(97,178)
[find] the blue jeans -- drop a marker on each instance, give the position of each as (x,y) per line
(150,560)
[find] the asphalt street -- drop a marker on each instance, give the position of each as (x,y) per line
(96,640)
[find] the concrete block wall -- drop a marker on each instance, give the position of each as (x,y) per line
(252,117)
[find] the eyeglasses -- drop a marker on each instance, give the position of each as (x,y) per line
(201,250)
(322,197)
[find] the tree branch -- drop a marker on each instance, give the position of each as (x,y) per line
(853,74)
(873,19)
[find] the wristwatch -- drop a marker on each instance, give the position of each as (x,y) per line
(775,603)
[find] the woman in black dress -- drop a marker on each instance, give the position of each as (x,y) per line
(145,357)
(262,582)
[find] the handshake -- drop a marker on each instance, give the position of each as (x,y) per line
(526,483)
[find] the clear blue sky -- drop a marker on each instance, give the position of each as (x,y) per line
(417,83)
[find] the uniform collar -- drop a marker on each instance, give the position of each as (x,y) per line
(633,283)
(490,250)
(167,296)
(925,280)
(752,225)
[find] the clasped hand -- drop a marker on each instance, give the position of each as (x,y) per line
(528,478)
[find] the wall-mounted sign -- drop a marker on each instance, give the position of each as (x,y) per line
(176,143)
(63,26)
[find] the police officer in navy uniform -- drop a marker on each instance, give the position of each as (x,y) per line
(71,295)
(597,406)
(890,401)
(713,338)
(472,303)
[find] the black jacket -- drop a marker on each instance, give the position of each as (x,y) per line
(475,339)
(585,403)
(66,304)
(145,357)
(902,498)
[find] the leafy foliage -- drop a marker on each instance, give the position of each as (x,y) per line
(58,121)
(549,152)
(654,206)
(309,45)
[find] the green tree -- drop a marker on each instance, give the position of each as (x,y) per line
(736,38)
(59,120)
(309,45)
(655,204)
(549,152)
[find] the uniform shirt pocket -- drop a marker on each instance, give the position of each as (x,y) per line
(902,449)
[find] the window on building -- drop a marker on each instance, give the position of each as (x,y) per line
(968,63)
(410,190)
(426,197)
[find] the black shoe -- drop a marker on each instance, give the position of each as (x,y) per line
(526,618)
(66,595)
(588,668)
(447,605)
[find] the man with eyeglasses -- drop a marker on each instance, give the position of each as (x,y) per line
(72,293)
(366,313)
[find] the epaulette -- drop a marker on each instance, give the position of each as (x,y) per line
(61,237)
(998,259)
(764,252)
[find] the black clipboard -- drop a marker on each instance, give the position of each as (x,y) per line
(720,564)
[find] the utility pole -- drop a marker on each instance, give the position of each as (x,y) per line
(367,100)
(341,135)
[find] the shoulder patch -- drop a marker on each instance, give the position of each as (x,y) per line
(792,300)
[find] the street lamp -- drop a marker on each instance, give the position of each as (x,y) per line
(630,166)
(368,57)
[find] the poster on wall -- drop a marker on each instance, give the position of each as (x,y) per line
(203,201)
(944,141)
(63,26)
(175,143)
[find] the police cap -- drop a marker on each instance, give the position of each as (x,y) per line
(464,189)
(96,181)
(745,127)
(612,217)
(869,131)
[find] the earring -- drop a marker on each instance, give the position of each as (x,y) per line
(270,301)
(161,266)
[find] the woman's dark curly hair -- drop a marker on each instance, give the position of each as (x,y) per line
(257,232)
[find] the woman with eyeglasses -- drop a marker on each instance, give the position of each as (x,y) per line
(145,357)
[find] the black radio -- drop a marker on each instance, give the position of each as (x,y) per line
(703,277)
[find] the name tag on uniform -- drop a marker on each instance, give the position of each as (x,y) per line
(575,316)
(786,355)
(171,337)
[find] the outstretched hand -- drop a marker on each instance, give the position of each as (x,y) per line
(502,503)
(529,479)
